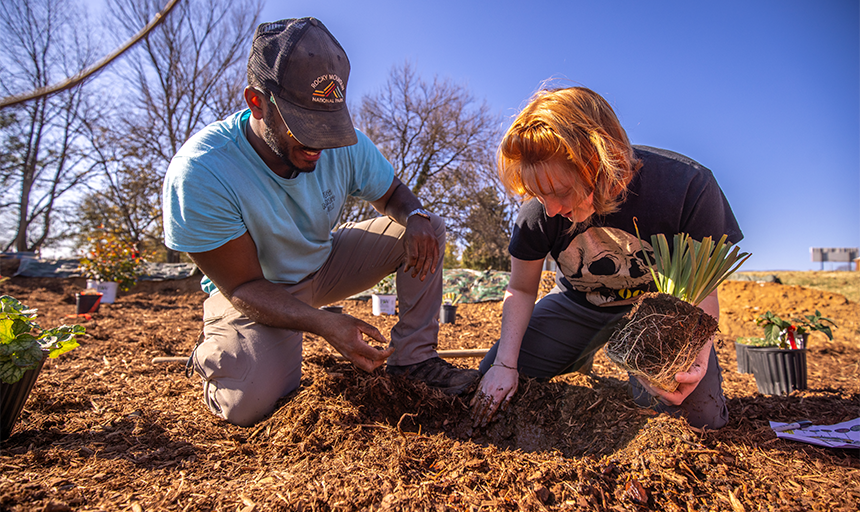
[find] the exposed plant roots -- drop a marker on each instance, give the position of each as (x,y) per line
(659,337)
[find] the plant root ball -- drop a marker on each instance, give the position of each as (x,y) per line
(659,337)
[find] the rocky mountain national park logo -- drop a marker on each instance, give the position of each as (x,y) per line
(328,89)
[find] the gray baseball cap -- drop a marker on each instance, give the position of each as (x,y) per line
(306,70)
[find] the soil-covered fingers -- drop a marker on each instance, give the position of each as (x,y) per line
(372,359)
(346,334)
(676,397)
(494,393)
(693,375)
(483,408)
(368,357)
(687,381)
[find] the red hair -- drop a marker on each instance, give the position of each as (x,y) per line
(578,127)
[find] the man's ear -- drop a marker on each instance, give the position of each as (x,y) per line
(254,99)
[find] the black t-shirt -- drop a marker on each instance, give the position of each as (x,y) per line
(602,263)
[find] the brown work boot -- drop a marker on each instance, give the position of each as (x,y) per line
(438,373)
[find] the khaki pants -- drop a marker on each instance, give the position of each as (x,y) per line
(246,367)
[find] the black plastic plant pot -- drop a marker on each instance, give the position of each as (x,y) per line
(13,396)
(778,371)
(87,303)
(332,308)
(448,314)
(742,353)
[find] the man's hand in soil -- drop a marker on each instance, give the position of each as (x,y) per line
(422,249)
(687,380)
(345,333)
(496,390)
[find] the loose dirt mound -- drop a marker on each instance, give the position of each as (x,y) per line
(106,429)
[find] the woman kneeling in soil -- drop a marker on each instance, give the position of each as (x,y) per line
(567,155)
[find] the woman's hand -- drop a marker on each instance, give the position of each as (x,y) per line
(497,388)
(687,380)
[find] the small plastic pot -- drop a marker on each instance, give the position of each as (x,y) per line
(383,304)
(87,303)
(107,289)
(448,314)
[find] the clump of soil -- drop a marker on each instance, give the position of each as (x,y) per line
(659,337)
(107,429)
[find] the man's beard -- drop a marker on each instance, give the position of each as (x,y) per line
(272,141)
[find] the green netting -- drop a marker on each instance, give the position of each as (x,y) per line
(475,285)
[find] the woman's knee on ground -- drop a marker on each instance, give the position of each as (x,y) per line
(708,412)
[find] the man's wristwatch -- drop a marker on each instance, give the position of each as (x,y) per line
(419,211)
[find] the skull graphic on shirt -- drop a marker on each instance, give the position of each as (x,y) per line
(607,264)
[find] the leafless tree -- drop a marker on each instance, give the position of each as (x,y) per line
(442,143)
(122,203)
(490,220)
(43,158)
(438,137)
(186,74)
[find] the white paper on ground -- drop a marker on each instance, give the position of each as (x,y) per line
(840,435)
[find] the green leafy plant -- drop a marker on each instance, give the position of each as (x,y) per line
(777,331)
(753,341)
(109,259)
(386,286)
(23,342)
(815,322)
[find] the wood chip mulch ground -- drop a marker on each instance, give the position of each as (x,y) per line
(107,429)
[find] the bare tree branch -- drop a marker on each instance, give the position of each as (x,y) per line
(92,70)
(185,75)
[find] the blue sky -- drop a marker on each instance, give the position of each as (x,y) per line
(764,93)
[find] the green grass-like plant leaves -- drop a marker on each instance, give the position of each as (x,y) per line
(693,269)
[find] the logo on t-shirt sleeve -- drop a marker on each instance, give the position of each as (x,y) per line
(607,264)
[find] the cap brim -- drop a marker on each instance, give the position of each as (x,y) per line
(318,129)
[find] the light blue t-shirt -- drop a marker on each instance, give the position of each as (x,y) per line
(217,187)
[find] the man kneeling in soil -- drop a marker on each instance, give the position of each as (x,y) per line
(254,200)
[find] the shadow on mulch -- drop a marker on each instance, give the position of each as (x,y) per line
(569,417)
